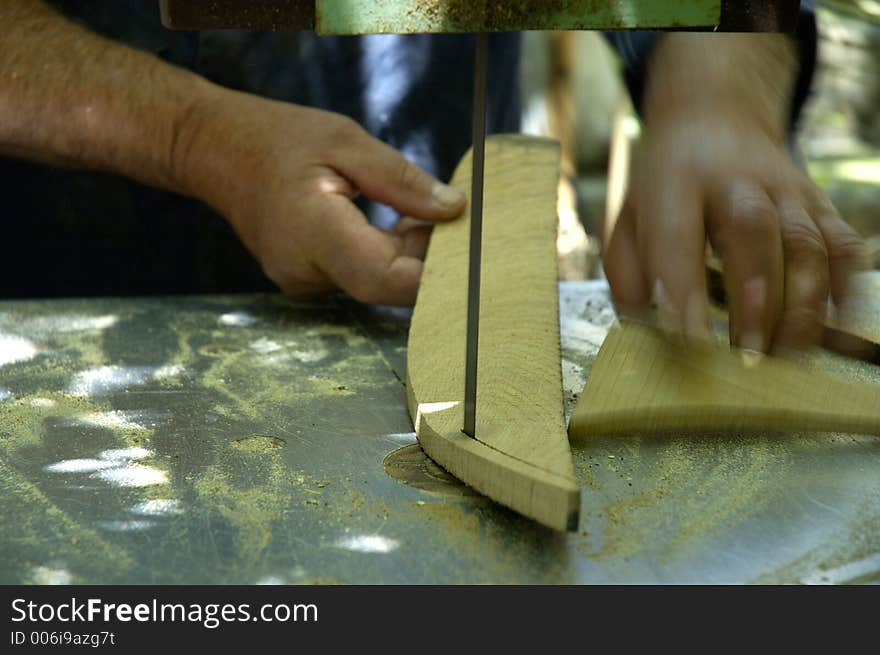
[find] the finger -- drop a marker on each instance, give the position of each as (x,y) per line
(847,251)
(367,263)
(415,236)
(386,176)
(847,255)
(744,231)
(806,280)
(672,240)
(623,267)
(329,181)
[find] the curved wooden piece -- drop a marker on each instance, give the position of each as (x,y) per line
(520,457)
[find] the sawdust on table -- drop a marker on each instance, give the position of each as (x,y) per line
(453,517)
(693,488)
(860,543)
(46,539)
(510,548)
(291,368)
(22,418)
(246,482)
(258,443)
(47,534)
(252,489)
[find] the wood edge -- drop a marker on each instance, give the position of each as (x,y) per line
(617,423)
(524,141)
(555,491)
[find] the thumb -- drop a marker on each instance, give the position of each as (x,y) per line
(384,175)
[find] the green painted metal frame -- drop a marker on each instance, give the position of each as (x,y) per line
(337,17)
(442,16)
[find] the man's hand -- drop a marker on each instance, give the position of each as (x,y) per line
(714,166)
(285,177)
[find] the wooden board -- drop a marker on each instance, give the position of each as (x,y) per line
(643,382)
(520,457)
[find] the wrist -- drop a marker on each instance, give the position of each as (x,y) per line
(220,149)
(190,153)
(696,77)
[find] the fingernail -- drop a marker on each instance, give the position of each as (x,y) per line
(752,340)
(667,317)
(446,196)
(696,318)
(659,297)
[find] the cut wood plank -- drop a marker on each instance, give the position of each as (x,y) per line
(521,456)
(643,382)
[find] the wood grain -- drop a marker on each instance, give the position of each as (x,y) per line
(521,456)
(643,382)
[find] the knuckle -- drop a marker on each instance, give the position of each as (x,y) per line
(847,245)
(346,127)
(843,242)
(802,319)
(809,289)
(407,175)
(804,241)
(343,133)
(750,214)
(753,214)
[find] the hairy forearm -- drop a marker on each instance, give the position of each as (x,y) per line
(70,97)
(748,76)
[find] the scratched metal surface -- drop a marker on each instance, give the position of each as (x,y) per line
(408,16)
(242,440)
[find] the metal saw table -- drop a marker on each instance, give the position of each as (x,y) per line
(248,439)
